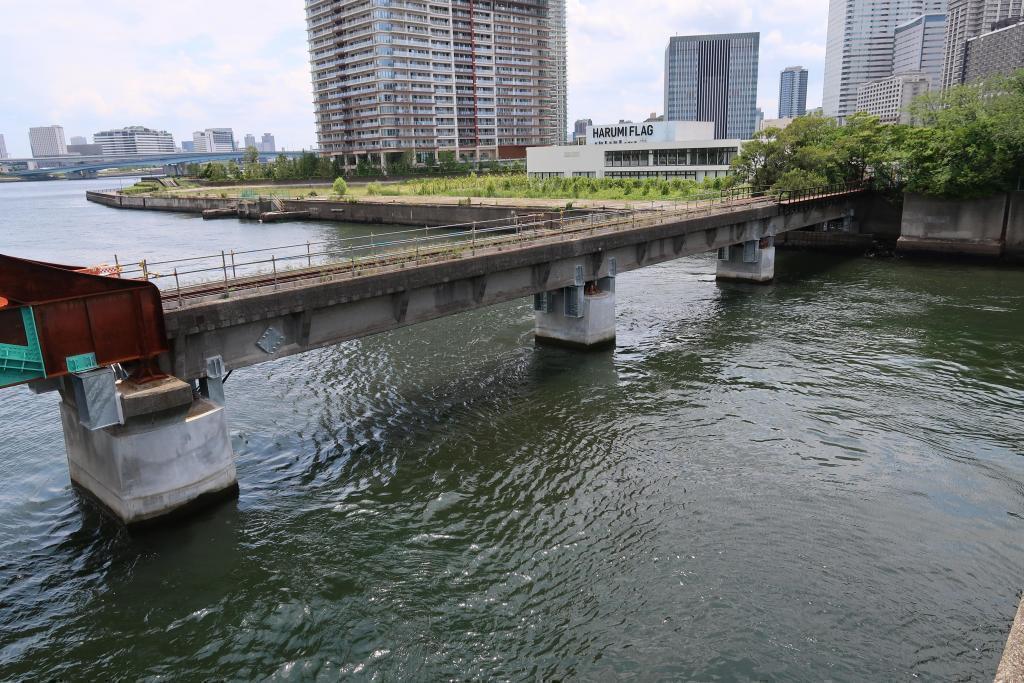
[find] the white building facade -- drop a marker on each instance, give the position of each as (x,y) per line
(214,140)
(134,140)
(859,46)
(667,150)
(3,148)
(889,98)
(267,143)
(47,141)
(462,76)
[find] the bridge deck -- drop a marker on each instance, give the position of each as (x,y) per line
(407,252)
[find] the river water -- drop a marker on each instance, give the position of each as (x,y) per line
(818,479)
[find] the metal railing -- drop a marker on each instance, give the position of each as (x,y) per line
(226,272)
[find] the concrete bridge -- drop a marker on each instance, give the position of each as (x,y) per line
(155,442)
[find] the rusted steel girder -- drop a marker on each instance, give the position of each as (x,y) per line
(57,320)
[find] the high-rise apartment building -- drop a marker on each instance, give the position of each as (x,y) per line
(214,140)
(713,78)
(250,140)
(968,19)
(267,143)
(859,46)
(997,53)
(3,147)
(461,76)
(792,92)
(918,47)
(559,52)
(47,141)
(77,140)
(134,140)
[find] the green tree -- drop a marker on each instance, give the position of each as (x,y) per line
(340,187)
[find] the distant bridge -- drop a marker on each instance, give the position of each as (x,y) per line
(88,166)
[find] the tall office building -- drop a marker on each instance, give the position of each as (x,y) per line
(918,47)
(188,146)
(47,141)
(859,46)
(3,147)
(462,76)
(792,92)
(968,19)
(134,140)
(78,140)
(214,140)
(250,140)
(268,144)
(713,78)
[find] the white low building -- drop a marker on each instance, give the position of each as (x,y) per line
(659,149)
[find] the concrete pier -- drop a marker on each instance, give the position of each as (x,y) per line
(1011,667)
(170,453)
(579,317)
(750,261)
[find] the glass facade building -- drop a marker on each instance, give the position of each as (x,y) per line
(859,47)
(919,46)
(792,92)
(713,78)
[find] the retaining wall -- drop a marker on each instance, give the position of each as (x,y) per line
(965,227)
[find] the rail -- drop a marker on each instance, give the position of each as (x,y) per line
(226,272)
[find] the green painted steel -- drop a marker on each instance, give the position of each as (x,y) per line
(81,363)
(22,363)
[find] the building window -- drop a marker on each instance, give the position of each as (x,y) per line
(584,174)
(541,175)
(630,158)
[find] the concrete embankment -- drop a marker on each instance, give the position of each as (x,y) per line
(990,227)
(1011,667)
(413,212)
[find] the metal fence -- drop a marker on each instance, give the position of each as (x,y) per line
(231,272)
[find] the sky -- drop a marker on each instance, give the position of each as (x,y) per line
(243,64)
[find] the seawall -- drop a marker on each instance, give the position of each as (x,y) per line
(990,227)
(390,212)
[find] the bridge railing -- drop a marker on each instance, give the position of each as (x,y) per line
(228,271)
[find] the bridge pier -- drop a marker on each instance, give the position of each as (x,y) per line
(751,261)
(580,317)
(146,451)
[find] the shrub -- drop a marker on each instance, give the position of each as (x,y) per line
(374,189)
(340,187)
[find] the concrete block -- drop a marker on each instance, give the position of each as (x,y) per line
(594,329)
(749,262)
(945,226)
(155,464)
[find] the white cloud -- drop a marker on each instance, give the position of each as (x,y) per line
(190,65)
(243,63)
(617,50)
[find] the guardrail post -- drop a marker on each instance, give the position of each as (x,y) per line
(273,264)
(177,284)
(309,255)
(224,265)
(145,270)
(234,272)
